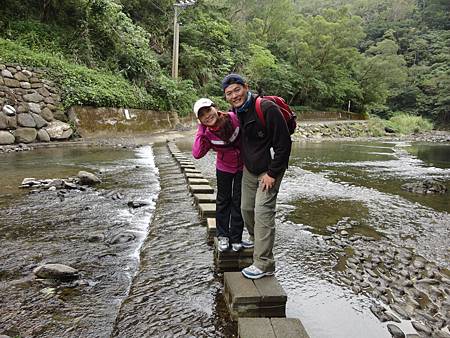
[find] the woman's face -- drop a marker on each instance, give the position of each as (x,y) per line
(208,116)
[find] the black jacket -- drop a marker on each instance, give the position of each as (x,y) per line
(257,140)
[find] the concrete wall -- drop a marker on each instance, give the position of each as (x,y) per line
(92,121)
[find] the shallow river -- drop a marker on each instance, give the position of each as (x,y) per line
(161,282)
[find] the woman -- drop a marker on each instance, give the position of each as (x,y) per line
(220,131)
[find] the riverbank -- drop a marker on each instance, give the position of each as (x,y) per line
(306,132)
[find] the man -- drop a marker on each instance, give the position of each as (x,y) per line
(265,152)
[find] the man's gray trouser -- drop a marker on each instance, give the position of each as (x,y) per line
(258,212)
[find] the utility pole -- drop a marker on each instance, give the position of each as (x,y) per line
(183,4)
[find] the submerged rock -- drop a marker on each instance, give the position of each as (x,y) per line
(87,178)
(56,271)
(428,186)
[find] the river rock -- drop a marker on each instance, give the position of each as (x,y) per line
(34,107)
(43,136)
(122,238)
(25,135)
(56,271)
(33,97)
(395,331)
(6,137)
(58,130)
(9,110)
(26,120)
(136,204)
(87,178)
(40,122)
(428,186)
(421,328)
(47,114)
(7,73)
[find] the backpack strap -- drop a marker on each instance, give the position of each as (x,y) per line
(259,111)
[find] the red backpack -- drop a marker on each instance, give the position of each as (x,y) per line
(288,114)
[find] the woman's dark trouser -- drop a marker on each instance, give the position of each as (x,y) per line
(228,206)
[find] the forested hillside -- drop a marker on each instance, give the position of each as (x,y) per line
(383,56)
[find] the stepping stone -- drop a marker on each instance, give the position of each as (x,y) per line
(230,260)
(262,297)
(211,226)
(207,210)
(201,189)
(271,328)
(197,181)
(193,175)
(205,198)
(194,171)
(187,166)
(183,163)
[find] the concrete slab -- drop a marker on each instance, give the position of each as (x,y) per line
(207,210)
(186,163)
(201,189)
(205,198)
(240,290)
(245,299)
(187,166)
(193,175)
(256,328)
(189,170)
(288,328)
(270,290)
(194,180)
(211,226)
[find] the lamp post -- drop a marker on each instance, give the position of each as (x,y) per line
(183,4)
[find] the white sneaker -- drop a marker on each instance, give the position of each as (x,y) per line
(224,243)
(254,272)
(247,244)
(236,247)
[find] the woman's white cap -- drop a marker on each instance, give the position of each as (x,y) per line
(202,103)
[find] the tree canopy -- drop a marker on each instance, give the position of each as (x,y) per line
(379,55)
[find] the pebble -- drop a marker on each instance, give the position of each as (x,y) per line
(395,331)
(421,328)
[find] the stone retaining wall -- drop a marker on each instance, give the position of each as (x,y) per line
(331,130)
(30,107)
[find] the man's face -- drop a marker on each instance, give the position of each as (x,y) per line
(236,94)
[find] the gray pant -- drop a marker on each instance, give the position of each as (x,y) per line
(258,212)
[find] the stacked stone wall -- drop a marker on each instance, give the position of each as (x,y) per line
(30,107)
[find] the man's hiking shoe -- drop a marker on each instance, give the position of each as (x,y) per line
(224,243)
(254,272)
(247,244)
(236,247)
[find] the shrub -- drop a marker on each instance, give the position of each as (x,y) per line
(404,123)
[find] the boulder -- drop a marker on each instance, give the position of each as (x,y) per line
(56,271)
(47,114)
(20,76)
(34,107)
(26,120)
(33,97)
(25,135)
(6,137)
(7,73)
(12,83)
(58,130)
(43,136)
(87,178)
(25,85)
(43,91)
(40,122)
(9,110)
(7,122)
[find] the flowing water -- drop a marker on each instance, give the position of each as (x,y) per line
(161,282)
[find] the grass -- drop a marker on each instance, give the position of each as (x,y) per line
(400,123)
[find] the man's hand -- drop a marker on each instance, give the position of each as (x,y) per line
(267,182)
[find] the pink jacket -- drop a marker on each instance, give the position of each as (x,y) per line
(228,157)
